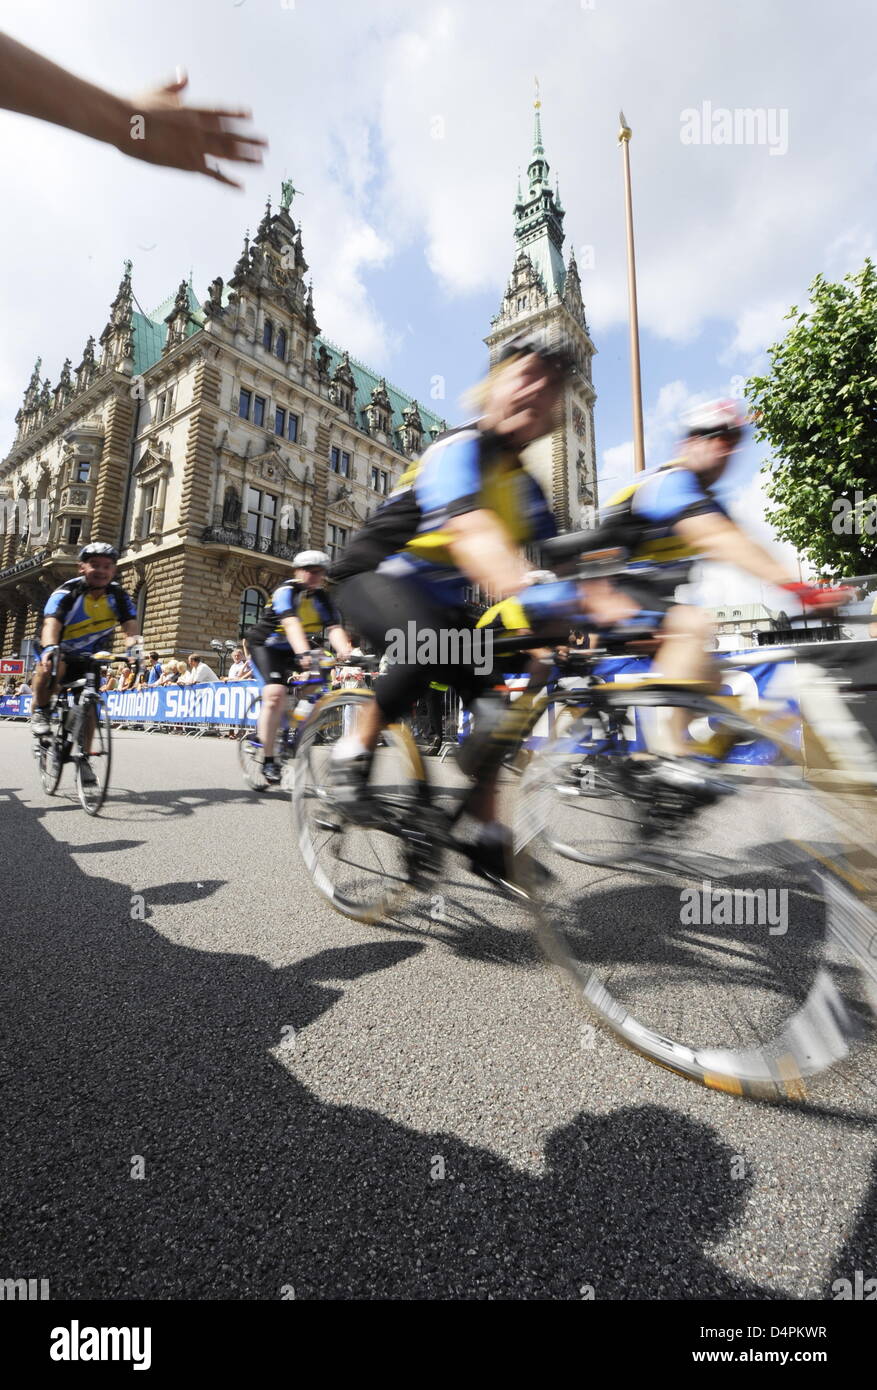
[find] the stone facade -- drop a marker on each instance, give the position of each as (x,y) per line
(209,441)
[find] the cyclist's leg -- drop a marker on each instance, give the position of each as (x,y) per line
(682,655)
(272,667)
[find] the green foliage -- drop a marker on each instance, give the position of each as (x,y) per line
(817,409)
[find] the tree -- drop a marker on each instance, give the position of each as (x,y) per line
(817,409)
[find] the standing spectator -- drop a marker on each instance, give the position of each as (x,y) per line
(155,669)
(198,673)
(240,669)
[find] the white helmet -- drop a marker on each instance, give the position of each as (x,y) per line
(540,577)
(310,559)
(714,417)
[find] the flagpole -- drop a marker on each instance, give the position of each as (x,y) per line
(639,453)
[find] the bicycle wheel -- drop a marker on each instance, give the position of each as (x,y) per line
(93,794)
(51,754)
(364,870)
(701,935)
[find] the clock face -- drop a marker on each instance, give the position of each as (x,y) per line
(579,423)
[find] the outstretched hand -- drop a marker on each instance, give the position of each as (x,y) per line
(183,137)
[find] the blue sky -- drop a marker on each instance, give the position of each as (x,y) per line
(405,126)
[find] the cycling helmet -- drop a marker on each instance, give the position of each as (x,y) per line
(94,549)
(713,418)
(557,357)
(540,577)
(310,559)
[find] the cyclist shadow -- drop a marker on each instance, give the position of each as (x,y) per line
(156,1148)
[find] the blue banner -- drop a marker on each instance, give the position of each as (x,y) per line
(223,702)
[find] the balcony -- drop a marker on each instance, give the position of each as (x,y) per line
(233,535)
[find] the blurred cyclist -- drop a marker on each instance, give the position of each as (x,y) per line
(467,510)
(280,643)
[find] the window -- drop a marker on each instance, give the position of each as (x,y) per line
(261,511)
(259,410)
(148,515)
(340,463)
(268,334)
(252,603)
(244,407)
(83,468)
(292,428)
(164,405)
(380,480)
(280,422)
(74,530)
(337,540)
(141,608)
(280,345)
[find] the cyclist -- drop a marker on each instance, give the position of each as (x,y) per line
(280,643)
(78,619)
(663,522)
(466,511)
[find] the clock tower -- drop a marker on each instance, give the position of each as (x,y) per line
(543,300)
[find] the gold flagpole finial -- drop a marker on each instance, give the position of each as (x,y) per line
(537,103)
(625,132)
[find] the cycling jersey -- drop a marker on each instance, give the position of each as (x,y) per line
(88,619)
(507,615)
(313,608)
(467,471)
(642,516)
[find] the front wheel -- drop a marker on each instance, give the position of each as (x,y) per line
(699,933)
(363,869)
(92,791)
(51,754)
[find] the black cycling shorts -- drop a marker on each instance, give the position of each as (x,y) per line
(376,604)
(273,665)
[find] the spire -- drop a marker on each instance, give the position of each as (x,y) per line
(539,167)
(539,226)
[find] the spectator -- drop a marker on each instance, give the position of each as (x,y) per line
(110,680)
(25,688)
(170,674)
(240,668)
(198,672)
(155,669)
(9,687)
(182,137)
(127,679)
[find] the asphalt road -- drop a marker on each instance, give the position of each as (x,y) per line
(215,1087)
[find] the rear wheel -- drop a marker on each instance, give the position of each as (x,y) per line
(696,929)
(92,793)
(363,869)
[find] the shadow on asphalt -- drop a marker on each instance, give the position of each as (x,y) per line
(122,1045)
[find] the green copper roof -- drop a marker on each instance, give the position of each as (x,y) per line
(150,331)
(365,380)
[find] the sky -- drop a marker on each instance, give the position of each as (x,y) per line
(405,126)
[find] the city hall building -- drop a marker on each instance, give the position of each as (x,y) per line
(211,440)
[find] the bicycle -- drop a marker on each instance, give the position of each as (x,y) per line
(81,733)
(304,690)
(789,811)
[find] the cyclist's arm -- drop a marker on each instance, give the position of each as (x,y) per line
(295,635)
(339,641)
(483,549)
(716,536)
(50,635)
(132,636)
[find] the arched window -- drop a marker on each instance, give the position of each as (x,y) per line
(280,344)
(268,334)
(252,603)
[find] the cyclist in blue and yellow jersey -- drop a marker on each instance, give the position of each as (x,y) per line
(79,619)
(463,518)
(663,522)
(280,642)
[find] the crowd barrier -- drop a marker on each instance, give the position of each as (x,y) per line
(223,706)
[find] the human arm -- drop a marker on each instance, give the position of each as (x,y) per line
(154,127)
